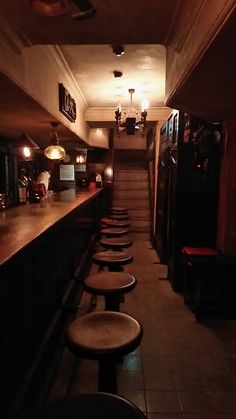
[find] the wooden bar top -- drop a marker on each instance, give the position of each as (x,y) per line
(22,224)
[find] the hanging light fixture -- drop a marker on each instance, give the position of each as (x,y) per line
(54,151)
(25,146)
(132,120)
(48,7)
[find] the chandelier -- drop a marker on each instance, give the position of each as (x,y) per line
(54,151)
(131,120)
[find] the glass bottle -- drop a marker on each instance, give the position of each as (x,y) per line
(22,186)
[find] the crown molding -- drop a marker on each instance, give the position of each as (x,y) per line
(95,114)
(57,58)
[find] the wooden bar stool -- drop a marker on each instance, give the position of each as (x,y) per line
(105,221)
(104,336)
(114,232)
(89,406)
(114,260)
(116,243)
(119,217)
(111,285)
(119,210)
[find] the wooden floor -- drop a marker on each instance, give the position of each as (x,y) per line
(182,369)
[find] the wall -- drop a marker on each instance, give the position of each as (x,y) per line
(99,137)
(129,142)
(38,70)
(195,28)
(227,195)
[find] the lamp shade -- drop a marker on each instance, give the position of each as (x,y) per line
(55,152)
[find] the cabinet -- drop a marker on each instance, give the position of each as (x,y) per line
(187,190)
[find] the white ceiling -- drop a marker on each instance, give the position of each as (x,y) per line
(143,68)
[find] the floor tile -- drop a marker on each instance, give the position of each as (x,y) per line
(162,402)
(182,369)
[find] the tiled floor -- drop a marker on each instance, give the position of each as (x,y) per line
(182,369)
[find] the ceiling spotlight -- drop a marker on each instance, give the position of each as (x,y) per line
(117,73)
(86,9)
(118,50)
(48,7)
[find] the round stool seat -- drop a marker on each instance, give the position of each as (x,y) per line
(103,333)
(116,242)
(114,223)
(114,232)
(111,285)
(119,217)
(119,209)
(112,259)
(97,405)
(104,336)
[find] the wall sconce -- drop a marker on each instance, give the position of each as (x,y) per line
(81,157)
(54,151)
(25,146)
(108,174)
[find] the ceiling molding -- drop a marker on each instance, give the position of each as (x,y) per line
(55,54)
(108,114)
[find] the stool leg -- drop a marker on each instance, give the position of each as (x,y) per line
(112,302)
(107,375)
(115,268)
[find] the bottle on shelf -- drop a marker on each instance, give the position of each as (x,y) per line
(23,188)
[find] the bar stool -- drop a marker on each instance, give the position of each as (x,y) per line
(119,210)
(111,285)
(189,255)
(119,217)
(114,260)
(105,221)
(98,405)
(116,243)
(114,232)
(104,336)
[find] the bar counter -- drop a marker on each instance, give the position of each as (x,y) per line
(45,254)
(21,225)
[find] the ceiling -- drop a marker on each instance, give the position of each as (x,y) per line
(144,28)
(87,48)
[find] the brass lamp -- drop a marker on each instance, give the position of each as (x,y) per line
(54,151)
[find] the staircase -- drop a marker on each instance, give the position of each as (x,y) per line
(131,190)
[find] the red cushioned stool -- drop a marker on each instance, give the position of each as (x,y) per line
(191,255)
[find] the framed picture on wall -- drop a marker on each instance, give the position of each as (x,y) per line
(67,172)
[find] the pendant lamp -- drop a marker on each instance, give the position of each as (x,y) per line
(54,151)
